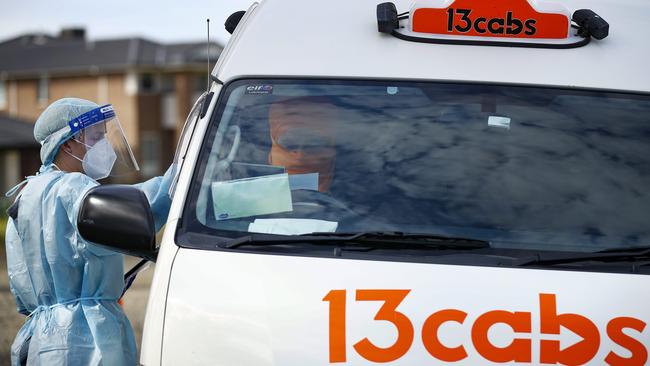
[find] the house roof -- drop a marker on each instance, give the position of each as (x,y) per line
(32,54)
(16,133)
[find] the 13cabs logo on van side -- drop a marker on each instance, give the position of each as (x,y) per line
(618,330)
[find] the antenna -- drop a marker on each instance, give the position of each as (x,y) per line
(208,53)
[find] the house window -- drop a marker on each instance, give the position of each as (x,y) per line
(10,169)
(43,92)
(131,84)
(150,154)
(200,84)
(169,111)
(167,84)
(3,94)
(148,83)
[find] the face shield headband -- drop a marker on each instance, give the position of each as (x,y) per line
(101,114)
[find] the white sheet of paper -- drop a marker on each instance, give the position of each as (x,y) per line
(251,196)
(292,226)
(501,122)
(304,181)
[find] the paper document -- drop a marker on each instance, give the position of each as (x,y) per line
(292,226)
(251,196)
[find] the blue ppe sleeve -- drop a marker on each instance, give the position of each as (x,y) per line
(18,275)
(157,192)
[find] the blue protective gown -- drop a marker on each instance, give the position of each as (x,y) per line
(68,285)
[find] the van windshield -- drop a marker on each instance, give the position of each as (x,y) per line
(521,167)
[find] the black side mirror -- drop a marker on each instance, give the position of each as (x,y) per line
(119,218)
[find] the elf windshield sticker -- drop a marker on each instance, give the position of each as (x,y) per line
(251,197)
(498,18)
(259,89)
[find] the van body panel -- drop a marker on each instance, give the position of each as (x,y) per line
(340,39)
(155,314)
(251,309)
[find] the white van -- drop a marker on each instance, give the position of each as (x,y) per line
(439,182)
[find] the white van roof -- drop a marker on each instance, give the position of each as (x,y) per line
(339,39)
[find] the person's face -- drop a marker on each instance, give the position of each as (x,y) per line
(305,141)
(79,145)
(302,137)
(69,153)
(91,134)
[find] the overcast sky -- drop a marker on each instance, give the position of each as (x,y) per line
(158,20)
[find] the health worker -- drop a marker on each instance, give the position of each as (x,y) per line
(66,286)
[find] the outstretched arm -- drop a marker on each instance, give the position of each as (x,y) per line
(157,191)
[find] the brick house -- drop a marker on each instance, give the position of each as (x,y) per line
(19,152)
(151,85)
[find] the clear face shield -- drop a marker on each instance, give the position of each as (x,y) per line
(108,153)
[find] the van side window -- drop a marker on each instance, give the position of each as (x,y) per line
(184,140)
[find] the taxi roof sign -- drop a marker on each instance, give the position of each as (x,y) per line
(506,23)
(497,18)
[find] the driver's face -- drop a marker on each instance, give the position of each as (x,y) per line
(302,136)
(306,140)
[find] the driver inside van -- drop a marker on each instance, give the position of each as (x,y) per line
(303,141)
(303,137)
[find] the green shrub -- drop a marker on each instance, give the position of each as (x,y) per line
(4,204)
(3,225)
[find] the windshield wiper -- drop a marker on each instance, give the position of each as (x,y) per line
(370,239)
(635,254)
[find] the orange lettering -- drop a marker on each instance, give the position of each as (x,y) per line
(405,332)
(430,335)
(577,354)
(519,350)
(336,298)
(615,333)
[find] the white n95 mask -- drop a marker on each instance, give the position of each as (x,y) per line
(99,159)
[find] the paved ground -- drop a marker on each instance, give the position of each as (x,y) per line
(135,303)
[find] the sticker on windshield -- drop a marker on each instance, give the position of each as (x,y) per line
(292,226)
(259,89)
(501,122)
(251,196)
(392,90)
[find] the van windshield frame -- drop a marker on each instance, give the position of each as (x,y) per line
(568,129)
